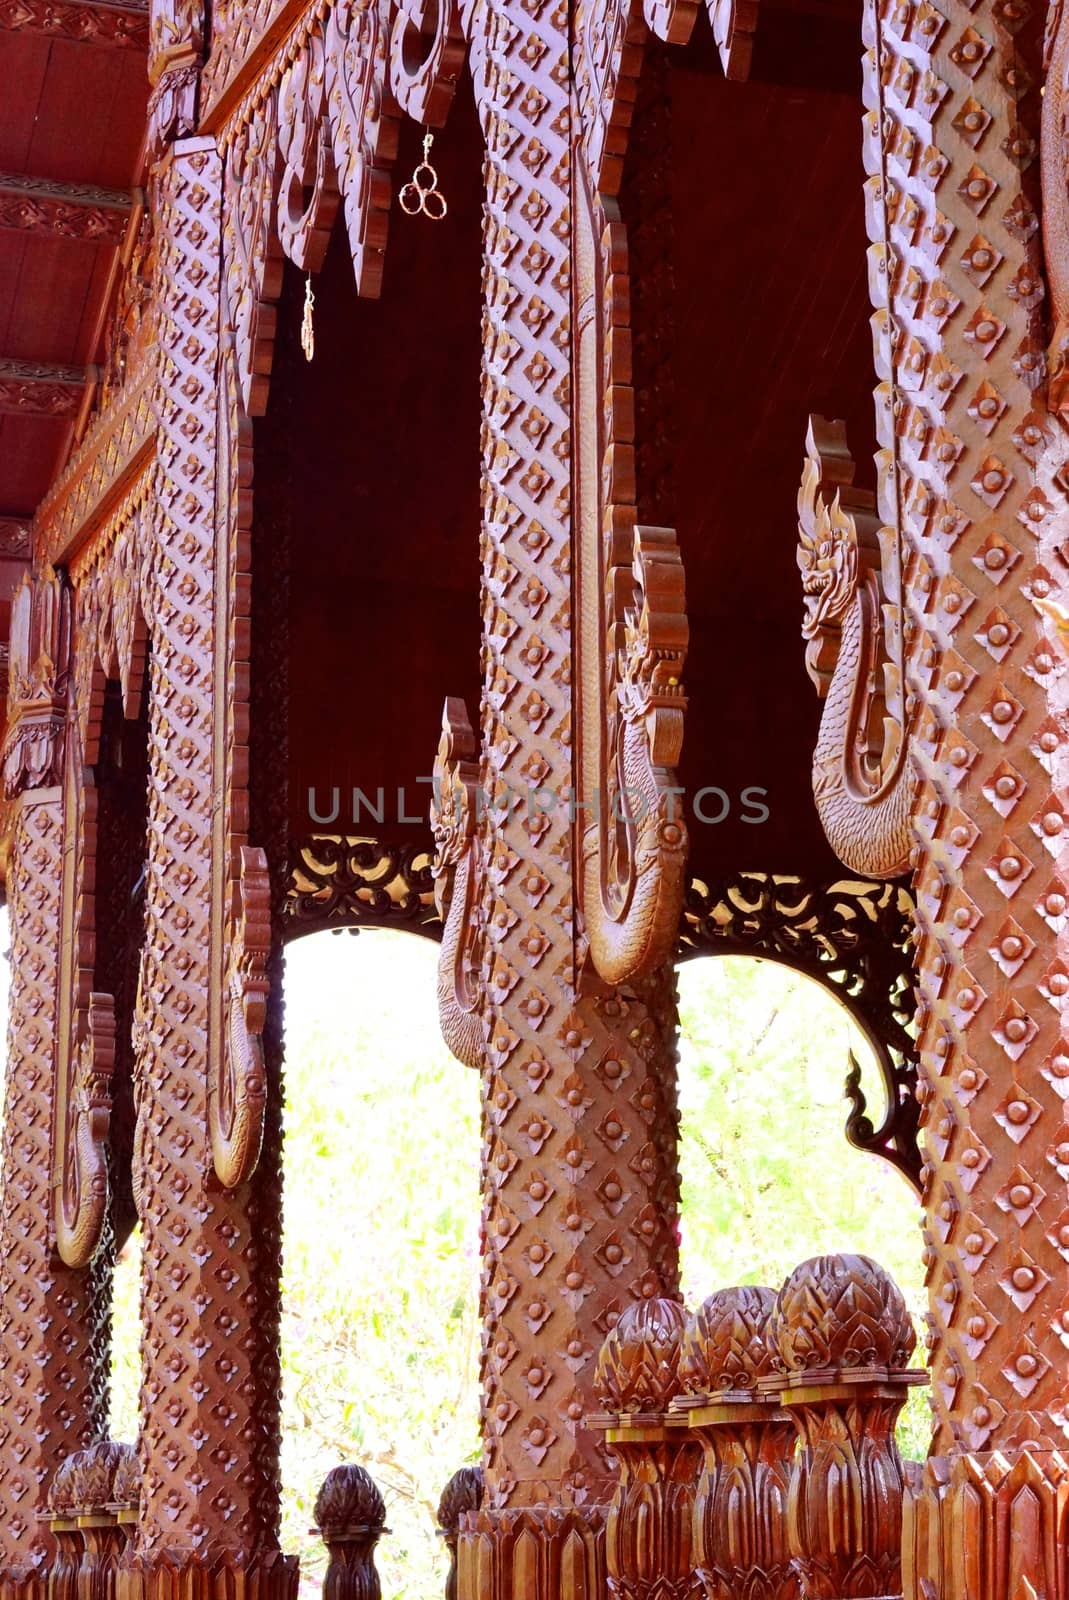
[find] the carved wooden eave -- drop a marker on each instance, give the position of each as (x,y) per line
(97,22)
(72,210)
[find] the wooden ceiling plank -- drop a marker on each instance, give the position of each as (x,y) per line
(71,210)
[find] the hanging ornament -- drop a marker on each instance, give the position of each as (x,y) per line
(308,333)
(421,194)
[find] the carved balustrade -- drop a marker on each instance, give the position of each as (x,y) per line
(59,1517)
(350,1515)
(648,1542)
(789,1402)
(91,1511)
(748,1446)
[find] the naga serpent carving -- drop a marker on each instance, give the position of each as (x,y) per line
(632,639)
(863,780)
(453,816)
(82,1181)
(237,1091)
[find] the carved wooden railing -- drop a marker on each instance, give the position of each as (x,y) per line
(755,1440)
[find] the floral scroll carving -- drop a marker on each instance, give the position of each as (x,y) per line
(453,817)
(863,780)
(237,1093)
(82,1178)
(633,640)
(40,666)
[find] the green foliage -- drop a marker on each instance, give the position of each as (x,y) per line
(380,1325)
(768,1177)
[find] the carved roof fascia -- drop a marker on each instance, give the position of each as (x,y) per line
(96,549)
(116,449)
(125,27)
(14,538)
(249,64)
(72,210)
(42,389)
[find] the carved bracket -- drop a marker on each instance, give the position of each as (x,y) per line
(81,1196)
(453,818)
(863,781)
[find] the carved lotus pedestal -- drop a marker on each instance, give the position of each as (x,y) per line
(844,1508)
(740,1505)
(523,1553)
(649,1538)
(748,1445)
(63,1573)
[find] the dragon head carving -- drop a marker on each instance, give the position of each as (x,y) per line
(828,554)
(456,775)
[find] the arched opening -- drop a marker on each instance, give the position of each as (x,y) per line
(768,1177)
(380,1331)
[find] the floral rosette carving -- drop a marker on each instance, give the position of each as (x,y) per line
(453,817)
(864,784)
(841,1312)
(638,1365)
(724,1346)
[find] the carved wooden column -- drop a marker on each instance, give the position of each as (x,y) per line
(649,1542)
(972,498)
(209,1497)
(579,1121)
(748,1444)
(54,1320)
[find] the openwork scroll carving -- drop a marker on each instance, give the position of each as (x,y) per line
(863,781)
(453,818)
(237,1092)
(338,882)
(37,693)
(853,938)
(633,641)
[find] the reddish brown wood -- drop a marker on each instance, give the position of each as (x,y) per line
(350,1514)
(461,1499)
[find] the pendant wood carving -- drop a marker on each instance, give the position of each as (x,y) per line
(453,817)
(863,781)
(237,1093)
(632,632)
(40,663)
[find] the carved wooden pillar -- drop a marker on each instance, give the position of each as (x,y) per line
(748,1445)
(350,1514)
(972,498)
(209,1496)
(649,1543)
(54,1319)
(579,1120)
